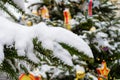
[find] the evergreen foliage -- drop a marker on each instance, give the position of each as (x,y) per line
(104,19)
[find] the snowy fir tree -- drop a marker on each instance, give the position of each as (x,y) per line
(60,39)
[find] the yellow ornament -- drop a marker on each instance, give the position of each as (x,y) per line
(80,75)
(29,23)
(26,77)
(92,29)
(68,26)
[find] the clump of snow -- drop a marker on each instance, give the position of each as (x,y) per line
(75,57)
(102,39)
(22,36)
(42,70)
(29,3)
(49,36)
(58,34)
(63,54)
(101,34)
(96,3)
(92,76)
(73,22)
(20,3)
(79,68)
(58,1)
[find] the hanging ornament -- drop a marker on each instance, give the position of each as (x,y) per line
(26,77)
(36,74)
(90,7)
(38,77)
(103,71)
(80,75)
(44,12)
(29,23)
(67,18)
(104,48)
(92,29)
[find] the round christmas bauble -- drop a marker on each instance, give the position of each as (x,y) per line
(26,77)
(29,23)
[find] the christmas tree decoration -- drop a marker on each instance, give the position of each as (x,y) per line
(80,75)
(56,56)
(44,12)
(26,77)
(92,29)
(29,23)
(38,77)
(67,18)
(36,73)
(104,48)
(90,7)
(103,71)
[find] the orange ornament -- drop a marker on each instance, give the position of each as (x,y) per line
(38,78)
(26,77)
(44,12)
(103,71)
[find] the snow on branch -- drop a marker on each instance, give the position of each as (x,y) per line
(50,37)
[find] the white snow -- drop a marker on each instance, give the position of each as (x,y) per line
(79,68)
(49,36)
(96,3)
(13,11)
(63,54)
(92,76)
(101,39)
(30,2)
(34,1)
(58,34)
(11,32)
(20,3)
(58,1)
(43,69)
(46,68)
